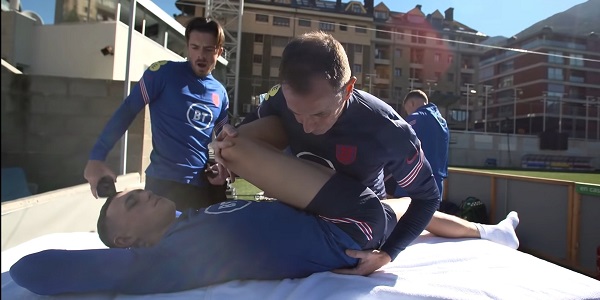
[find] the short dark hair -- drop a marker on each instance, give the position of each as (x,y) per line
(416,94)
(103,227)
(202,24)
(314,54)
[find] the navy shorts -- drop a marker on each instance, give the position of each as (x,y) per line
(355,209)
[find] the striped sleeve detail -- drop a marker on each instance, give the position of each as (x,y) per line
(406,181)
(219,125)
(144,91)
(363,226)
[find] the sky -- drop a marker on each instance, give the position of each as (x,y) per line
(493,18)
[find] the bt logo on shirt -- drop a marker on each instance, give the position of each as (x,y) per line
(199,116)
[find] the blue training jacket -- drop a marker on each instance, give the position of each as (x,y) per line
(184,111)
(232,240)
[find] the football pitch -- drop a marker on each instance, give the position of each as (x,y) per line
(593,178)
(246,191)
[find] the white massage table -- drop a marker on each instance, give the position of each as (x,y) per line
(431,268)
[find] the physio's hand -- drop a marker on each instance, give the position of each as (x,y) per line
(370,261)
(220,142)
(94,170)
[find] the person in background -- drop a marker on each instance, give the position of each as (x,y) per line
(432,130)
(187,106)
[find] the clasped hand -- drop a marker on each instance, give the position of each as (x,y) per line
(369,262)
(219,171)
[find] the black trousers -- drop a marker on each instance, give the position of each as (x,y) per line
(187,196)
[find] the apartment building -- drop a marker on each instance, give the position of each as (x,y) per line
(432,52)
(551,85)
(390,52)
(268,26)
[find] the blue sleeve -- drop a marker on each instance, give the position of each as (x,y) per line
(142,93)
(126,271)
(224,115)
(272,105)
(407,161)
(53,272)
(412,120)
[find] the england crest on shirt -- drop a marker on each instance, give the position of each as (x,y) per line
(345,154)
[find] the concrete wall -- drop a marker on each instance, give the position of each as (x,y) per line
(473,148)
(17,33)
(144,51)
(49,125)
(556,222)
(67,50)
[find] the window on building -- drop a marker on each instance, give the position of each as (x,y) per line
(380,15)
(486,72)
(506,81)
(421,39)
(450,77)
(261,18)
(506,66)
(258,38)
(555,73)
(436,57)
(358,48)
(555,57)
(326,26)
(413,36)
(400,34)
(304,23)
(360,29)
(397,72)
(467,63)
(450,59)
(279,41)
(439,40)
(556,88)
(577,76)
(343,27)
(458,115)
(576,60)
(416,73)
(357,68)
(280,21)
(356,8)
(257,59)
(417,56)
(398,53)
(275,61)
(397,92)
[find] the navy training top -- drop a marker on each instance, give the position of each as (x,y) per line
(232,240)
(368,137)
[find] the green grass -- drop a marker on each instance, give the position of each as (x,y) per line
(244,189)
(592,178)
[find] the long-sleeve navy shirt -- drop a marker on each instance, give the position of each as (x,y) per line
(367,138)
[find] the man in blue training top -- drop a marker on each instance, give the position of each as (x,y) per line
(153,251)
(187,104)
(432,130)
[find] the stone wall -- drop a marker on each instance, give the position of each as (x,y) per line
(49,125)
